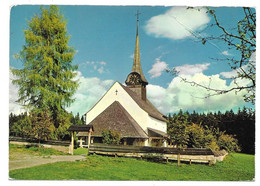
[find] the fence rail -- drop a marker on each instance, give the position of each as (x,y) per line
(188,154)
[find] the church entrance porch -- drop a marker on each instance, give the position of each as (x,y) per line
(157,138)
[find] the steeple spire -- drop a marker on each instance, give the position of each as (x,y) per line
(137,62)
(136,80)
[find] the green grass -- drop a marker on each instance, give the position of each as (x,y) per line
(33,150)
(236,167)
(80,151)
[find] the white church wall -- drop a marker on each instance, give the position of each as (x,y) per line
(117,93)
(157,124)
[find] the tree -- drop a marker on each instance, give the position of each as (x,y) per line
(46,81)
(176,128)
(41,125)
(20,125)
(242,39)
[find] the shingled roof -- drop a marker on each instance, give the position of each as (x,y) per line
(146,105)
(116,118)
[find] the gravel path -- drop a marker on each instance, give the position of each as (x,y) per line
(25,161)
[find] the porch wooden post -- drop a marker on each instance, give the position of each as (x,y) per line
(89,137)
(80,142)
(150,141)
(72,142)
(124,141)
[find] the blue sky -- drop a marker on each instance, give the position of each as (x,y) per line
(104,38)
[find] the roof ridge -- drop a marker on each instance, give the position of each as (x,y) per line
(145,105)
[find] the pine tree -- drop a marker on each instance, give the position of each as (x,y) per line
(46,81)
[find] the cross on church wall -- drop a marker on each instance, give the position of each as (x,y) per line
(116,92)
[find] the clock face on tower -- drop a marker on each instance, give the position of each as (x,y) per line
(133,79)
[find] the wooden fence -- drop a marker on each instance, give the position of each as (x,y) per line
(165,153)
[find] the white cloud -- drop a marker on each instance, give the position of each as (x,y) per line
(14,107)
(191,70)
(180,95)
(102,63)
(101,70)
(226,53)
(89,92)
(95,65)
(157,68)
(230,74)
(177,23)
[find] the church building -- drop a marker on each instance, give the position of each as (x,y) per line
(127,111)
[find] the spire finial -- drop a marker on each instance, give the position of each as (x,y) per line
(137,15)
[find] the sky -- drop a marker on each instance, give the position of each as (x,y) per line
(104,40)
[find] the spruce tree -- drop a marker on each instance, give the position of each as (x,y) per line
(46,81)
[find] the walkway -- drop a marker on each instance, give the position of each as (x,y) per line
(25,161)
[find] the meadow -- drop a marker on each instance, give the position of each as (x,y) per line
(236,167)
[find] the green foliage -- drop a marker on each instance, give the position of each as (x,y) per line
(236,167)
(176,128)
(20,126)
(41,125)
(110,137)
(46,81)
(184,132)
(196,136)
(240,125)
(228,142)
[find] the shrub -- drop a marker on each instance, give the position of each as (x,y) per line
(228,142)
(110,137)
(196,136)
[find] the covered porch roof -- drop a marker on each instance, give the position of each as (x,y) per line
(157,133)
(81,128)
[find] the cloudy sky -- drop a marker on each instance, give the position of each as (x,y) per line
(104,38)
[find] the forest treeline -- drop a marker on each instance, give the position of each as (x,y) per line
(237,127)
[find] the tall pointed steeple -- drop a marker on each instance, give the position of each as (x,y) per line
(136,80)
(137,62)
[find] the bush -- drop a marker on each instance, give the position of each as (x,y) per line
(110,137)
(228,142)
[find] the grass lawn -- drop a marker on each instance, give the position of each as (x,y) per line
(33,150)
(236,166)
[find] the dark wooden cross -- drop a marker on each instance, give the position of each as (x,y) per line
(137,15)
(116,92)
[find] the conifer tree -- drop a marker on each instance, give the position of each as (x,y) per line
(46,81)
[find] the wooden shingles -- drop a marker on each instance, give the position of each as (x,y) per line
(116,118)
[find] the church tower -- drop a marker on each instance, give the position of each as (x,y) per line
(136,80)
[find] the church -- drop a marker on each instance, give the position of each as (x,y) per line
(126,110)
